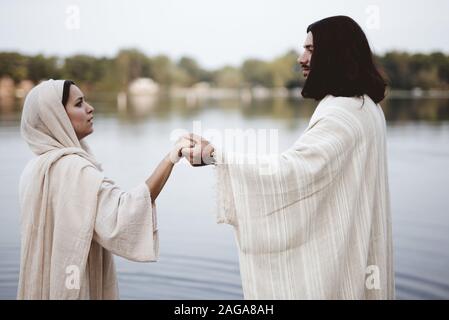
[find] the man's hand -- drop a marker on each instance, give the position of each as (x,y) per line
(200,153)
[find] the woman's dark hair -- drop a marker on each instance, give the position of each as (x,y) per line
(66,91)
(342,62)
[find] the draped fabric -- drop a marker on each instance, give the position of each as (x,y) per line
(73,218)
(314,222)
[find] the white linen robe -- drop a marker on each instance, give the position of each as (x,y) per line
(314,222)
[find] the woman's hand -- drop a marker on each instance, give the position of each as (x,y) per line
(160,175)
(183,143)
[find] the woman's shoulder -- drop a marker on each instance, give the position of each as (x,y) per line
(27,172)
(73,163)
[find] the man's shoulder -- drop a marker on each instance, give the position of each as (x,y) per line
(334,111)
(355,103)
(343,107)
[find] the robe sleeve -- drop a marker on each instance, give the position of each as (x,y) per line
(126,222)
(255,186)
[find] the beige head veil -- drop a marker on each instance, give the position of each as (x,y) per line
(45,124)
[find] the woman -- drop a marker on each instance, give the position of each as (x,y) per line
(73,217)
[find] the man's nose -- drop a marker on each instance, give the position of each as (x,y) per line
(301,59)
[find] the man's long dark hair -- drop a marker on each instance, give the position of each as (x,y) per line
(342,62)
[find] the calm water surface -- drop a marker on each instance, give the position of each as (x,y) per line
(198,257)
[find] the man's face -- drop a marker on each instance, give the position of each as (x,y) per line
(306,57)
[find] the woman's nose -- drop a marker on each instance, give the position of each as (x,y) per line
(90,108)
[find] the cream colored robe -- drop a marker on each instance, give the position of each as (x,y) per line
(72,217)
(314,222)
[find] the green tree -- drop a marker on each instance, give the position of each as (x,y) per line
(131,64)
(161,70)
(396,66)
(228,77)
(193,70)
(14,65)
(83,68)
(40,67)
(285,71)
(257,72)
(441,61)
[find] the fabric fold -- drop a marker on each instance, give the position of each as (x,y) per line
(311,221)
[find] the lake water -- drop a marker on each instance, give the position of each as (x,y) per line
(199,258)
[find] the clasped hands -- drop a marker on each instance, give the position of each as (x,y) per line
(197,150)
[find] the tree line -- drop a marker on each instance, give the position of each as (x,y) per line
(402,70)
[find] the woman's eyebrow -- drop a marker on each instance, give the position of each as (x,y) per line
(79,98)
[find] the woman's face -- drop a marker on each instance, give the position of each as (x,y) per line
(81,114)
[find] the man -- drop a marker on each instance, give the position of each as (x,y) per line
(317,226)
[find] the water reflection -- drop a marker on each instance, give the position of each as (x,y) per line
(141,107)
(403,110)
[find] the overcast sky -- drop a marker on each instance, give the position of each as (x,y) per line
(214,32)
